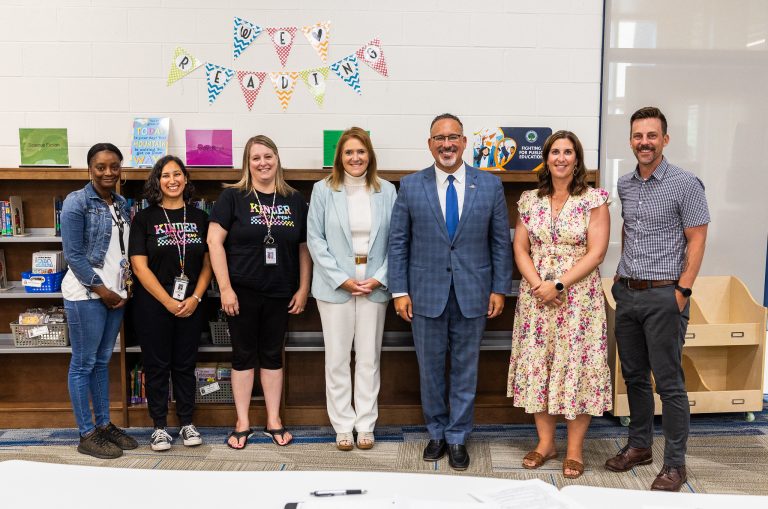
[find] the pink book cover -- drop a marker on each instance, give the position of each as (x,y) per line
(209,147)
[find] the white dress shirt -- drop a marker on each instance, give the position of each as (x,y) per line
(441,179)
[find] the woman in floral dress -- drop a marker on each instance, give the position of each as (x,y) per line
(558,364)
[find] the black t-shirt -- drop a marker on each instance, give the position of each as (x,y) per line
(152,236)
(239,213)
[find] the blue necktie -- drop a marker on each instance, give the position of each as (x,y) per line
(451,208)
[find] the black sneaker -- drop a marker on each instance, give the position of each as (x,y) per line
(119,438)
(190,436)
(161,440)
(98,445)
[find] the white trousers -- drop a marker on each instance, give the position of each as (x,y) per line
(357,322)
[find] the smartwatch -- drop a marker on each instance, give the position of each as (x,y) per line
(685,291)
(559,286)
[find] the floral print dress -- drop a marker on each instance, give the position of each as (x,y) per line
(558,363)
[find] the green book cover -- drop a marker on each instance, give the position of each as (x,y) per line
(330,139)
(43,147)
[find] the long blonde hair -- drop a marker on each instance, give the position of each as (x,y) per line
(336,178)
(245,184)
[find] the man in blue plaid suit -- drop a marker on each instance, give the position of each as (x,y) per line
(450,266)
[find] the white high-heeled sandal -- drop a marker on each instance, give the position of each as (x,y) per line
(345,441)
(365,439)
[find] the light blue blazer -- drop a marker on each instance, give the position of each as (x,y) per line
(329,240)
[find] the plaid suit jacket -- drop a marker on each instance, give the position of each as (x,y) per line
(423,261)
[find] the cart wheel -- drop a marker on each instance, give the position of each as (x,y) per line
(749,416)
(625,420)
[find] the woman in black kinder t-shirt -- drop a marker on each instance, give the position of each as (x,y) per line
(258,244)
(169,256)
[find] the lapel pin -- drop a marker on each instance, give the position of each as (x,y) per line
(471,186)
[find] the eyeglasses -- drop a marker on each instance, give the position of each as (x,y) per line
(451,137)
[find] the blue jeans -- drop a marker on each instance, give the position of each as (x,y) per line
(92,332)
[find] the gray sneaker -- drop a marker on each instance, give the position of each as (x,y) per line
(161,440)
(98,445)
(190,435)
(119,437)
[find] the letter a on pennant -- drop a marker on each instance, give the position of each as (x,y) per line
(245,33)
(250,84)
(183,64)
(373,55)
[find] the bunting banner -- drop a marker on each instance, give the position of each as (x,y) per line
(373,55)
(284,83)
(245,33)
(349,71)
(217,78)
(183,64)
(282,39)
(318,35)
(315,80)
(250,84)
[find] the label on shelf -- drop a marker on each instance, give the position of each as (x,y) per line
(207,389)
(37,331)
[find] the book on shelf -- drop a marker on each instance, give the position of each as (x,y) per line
(58,204)
(3,271)
(17,216)
(43,147)
(150,141)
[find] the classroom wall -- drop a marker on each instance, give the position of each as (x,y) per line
(92,66)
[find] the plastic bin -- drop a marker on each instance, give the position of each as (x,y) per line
(42,283)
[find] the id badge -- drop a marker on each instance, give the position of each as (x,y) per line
(270,255)
(180,288)
(121,277)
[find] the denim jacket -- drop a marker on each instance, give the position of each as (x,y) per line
(86,228)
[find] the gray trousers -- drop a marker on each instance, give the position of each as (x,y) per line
(650,333)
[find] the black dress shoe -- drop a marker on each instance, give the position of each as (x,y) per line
(458,457)
(435,450)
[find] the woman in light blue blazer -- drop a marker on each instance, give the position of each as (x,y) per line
(347,236)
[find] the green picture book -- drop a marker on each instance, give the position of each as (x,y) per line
(43,147)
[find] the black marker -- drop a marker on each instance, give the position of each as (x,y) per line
(333,493)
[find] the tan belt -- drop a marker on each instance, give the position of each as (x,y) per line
(359,260)
(644,284)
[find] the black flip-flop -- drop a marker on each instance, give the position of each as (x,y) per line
(238,435)
(271,433)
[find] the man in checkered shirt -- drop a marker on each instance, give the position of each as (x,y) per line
(665,229)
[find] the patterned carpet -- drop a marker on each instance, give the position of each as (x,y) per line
(726,454)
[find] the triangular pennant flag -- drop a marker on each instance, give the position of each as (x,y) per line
(318,35)
(250,84)
(349,71)
(244,34)
(315,80)
(217,78)
(373,55)
(183,64)
(284,83)
(282,39)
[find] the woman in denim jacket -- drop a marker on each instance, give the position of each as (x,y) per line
(94,234)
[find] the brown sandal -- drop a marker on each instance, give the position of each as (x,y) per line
(538,459)
(572,465)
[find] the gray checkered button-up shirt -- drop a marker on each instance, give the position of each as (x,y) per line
(656,212)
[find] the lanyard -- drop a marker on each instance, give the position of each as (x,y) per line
(268,238)
(120,222)
(179,238)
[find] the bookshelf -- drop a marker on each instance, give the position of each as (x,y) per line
(36,395)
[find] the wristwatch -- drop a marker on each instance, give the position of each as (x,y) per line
(685,291)
(559,286)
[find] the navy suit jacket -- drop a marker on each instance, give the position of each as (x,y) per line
(423,261)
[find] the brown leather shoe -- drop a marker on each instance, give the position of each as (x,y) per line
(669,479)
(629,457)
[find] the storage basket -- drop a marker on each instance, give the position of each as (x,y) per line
(220,333)
(57,334)
(42,283)
(223,395)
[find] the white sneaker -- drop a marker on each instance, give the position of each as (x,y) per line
(161,440)
(190,435)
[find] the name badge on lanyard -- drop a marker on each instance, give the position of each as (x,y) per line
(270,249)
(180,285)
